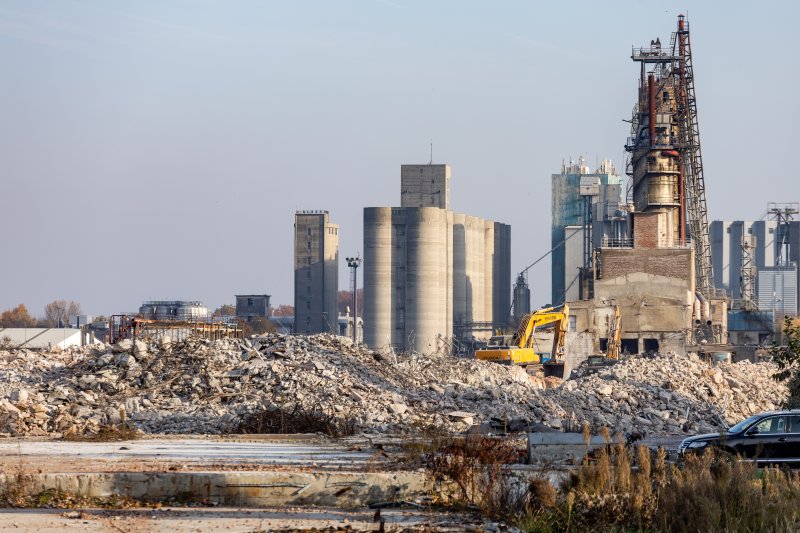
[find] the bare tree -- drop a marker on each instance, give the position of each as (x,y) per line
(225,310)
(57,312)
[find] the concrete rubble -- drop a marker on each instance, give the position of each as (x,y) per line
(669,395)
(200,386)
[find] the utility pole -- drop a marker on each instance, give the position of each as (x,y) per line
(354,263)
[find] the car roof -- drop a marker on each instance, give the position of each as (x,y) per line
(778,412)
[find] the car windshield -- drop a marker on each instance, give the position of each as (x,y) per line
(743,424)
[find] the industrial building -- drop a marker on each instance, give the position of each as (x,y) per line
(316,272)
(756,263)
(660,277)
(588,208)
(432,277)
(180,310)
(249,306)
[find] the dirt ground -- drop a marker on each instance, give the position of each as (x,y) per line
(201,520)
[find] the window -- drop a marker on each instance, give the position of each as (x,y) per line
(573,323)
(249,302)
(308,304)
(795,427)
(773,424)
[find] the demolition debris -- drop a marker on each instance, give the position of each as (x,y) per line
(200,386)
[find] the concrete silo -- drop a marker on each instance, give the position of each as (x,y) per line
(378,276)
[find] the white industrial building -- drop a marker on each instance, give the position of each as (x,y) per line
(48,338)
(431,274)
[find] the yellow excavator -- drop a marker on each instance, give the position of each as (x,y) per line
(518,349)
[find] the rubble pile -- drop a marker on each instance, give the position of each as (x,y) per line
(670,394)
(202,386)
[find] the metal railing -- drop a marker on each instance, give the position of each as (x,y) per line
(660,243)
(616,243)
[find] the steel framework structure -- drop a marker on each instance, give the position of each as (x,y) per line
(696,211)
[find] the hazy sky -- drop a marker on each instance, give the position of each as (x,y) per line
(155,150)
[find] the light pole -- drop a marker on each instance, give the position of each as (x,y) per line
(354,263)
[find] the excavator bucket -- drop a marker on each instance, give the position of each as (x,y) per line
(553,369)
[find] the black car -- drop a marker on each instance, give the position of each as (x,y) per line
(766,438)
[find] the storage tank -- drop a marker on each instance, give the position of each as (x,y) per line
(501,304)
(191,311)
(425,293)
(459,268)
(522,299)
(377,310)
(488,276)
(475,268)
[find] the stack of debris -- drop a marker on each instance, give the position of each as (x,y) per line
(670,394)
(202,386)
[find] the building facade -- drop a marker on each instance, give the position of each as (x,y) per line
(249,306)
(742,247)
(430,274)
(587,209)
(316,272)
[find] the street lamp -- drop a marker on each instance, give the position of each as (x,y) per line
(354,263)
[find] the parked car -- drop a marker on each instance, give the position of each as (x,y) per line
(767,438)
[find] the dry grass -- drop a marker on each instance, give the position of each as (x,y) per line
(277,420)
(626,489)
(107,433)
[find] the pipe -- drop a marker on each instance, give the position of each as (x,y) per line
(681,202)
(705,308)
(651,89)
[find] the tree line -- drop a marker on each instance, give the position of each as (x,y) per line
(56,314)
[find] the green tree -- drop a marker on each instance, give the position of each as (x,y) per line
(787,357)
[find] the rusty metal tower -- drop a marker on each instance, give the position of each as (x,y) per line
(695,209)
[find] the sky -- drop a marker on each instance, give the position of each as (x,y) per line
(159,149)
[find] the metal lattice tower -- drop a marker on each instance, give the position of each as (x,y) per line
(747,281)
(689,147)
(782,213)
